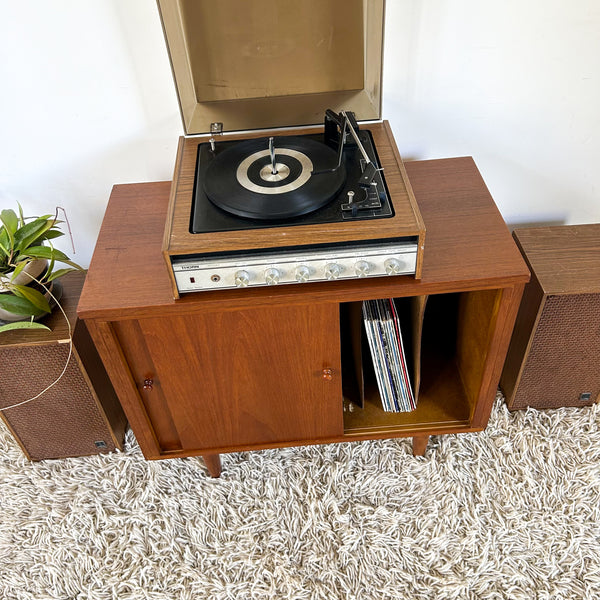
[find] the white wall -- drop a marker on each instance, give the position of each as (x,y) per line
(516,84)
(87,100)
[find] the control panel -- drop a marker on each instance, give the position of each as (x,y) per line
(287,266)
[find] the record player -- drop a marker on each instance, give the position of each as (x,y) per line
(285,174)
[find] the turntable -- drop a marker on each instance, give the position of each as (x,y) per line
(269,204)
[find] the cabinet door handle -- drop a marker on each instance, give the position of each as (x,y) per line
(148,383)
(328,374)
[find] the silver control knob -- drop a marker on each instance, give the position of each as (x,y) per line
(332,271)
(272,276)
(393,266)
(241,279)
(302,274)
(362,268)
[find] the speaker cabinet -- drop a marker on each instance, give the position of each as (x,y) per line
(78,415)
(554,355)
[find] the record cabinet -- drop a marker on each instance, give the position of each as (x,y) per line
(222,303)
(244,369)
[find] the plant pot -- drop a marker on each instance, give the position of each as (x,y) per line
(32,270)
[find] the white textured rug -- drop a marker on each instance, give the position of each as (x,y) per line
(513,512)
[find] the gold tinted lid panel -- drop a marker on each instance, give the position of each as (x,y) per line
(256,64)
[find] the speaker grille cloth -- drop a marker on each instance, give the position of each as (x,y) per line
(564,359)
(65,421)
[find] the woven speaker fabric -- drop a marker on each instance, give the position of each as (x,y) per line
(564,359)
(66,420)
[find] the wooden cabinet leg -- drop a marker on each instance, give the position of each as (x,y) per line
(213,464)
(420,444)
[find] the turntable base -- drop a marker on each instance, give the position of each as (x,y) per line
(239,370)
(223,205)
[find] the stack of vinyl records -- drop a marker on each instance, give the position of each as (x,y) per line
(382,326)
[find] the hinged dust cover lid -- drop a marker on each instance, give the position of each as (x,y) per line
(253,64)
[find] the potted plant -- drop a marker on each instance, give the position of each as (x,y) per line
(28,267)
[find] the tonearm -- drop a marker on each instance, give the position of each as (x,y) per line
(336,127)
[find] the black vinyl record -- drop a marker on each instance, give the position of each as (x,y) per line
(240,181)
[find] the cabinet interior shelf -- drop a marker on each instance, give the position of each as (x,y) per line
(432,413)
(456,331)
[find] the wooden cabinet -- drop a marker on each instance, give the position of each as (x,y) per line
(235,370)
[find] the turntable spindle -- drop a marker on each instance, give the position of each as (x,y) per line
(272,154)
(274,171)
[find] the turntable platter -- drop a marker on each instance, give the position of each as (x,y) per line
(256,181)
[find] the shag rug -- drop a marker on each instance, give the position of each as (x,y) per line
(512,512)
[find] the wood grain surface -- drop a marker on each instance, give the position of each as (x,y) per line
(564,258)
(239,377)
(178,240)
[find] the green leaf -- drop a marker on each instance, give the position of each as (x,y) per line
(45,252)
(49,269)
(20,266)
(53,233)
(51,254)
(31,232)
(11,223)
(73,264)
(22,325)
(4,243)
(36,298)
(51,276)
(19,306)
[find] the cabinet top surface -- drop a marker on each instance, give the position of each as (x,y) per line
(467,246)
(564,258)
